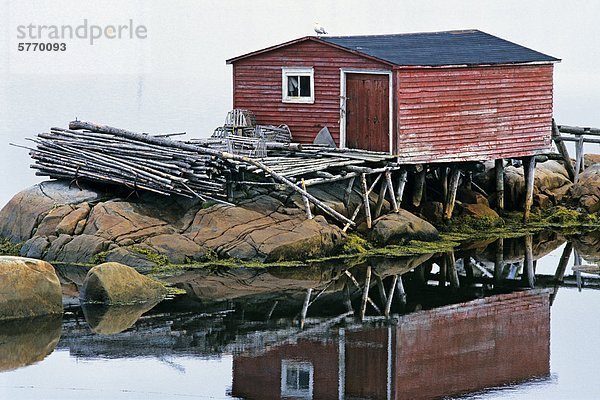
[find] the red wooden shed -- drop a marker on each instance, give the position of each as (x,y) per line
(425,97)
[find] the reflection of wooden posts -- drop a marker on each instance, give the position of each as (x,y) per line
(390,297)
(528,272)
(402,178)
(529,172)
(499,168)
(443,271)
(365,296)
(271,310)
(468,264)
(499,261)
(419,187)
(305,307)
(562,149)
(561,269)
(381,289)
(401,291)
(577,262)
(452,188)
(347,301)
(451,268)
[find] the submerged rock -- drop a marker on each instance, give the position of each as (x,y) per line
(114,283)
(586,192)
(28,288)
(110,320)
(393,227)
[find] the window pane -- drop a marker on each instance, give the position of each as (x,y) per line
(304,379)
(293,86)
(305,86)
(291,379)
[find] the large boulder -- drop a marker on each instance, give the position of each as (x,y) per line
(395,227)
(27,209)
(476,210)
(114,283)
(28,288)
(586,192)
(263,229)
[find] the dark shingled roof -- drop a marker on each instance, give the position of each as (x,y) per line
(470,47)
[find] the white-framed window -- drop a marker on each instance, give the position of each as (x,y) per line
(297,379)
(298,85)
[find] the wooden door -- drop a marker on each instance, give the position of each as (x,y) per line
(367,112)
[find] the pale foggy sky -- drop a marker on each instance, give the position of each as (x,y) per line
(176,79)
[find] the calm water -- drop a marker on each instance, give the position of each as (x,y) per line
(236,333)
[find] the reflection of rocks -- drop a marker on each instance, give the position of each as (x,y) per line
(387,266)
(109,320)
(394,227)
(114,283)
(27,341)
(588,246)
(514,248)
(28,288)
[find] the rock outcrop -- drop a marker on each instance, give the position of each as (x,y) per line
(586,192)
(393,227)
(113,283)
(28,288)
(65,224)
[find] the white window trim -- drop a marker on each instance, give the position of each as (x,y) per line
(301,394)
(300,71)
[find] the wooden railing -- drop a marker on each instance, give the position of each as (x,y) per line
(578,135)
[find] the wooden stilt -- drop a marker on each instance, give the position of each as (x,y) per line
(392,194)
(451,270)
(381,288)
(578,157)
(390,297)
(355,282)
(528,272)
(452,188)
(365,193)
(305,307)
(562,149)
(419,187)
(444,181)
(358,207)
(382,192)
(401,291)
(529,172)
(402,178)
(499,261)
(348,192)
(499,167)
(306,202)
(363,304)
(469,180)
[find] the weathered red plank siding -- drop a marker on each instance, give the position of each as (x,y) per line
(473,113)
(257,87)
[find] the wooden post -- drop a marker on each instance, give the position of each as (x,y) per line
(402,178)
(528,272)
(419,187)
(578,157)
(357,209)
(499,167)
(365,296)
(401,291)
(381,288)
(306,202)
(499,261)
(562,149)
(382,192)
(452,188)
(444,181)
(390,186)
(305,307)
(365,193)
(529,172)
(348,192)
(390,297)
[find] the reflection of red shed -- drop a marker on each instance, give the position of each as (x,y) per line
(426,97)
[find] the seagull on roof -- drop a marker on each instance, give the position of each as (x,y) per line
(319,29)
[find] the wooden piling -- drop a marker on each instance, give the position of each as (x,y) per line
(365,193)
(579,157)
(306,202)
(390,186)
(382,192)
(348,192)
(499,168)
(444,181)
(562,149)
(529,172)
(452,189)
(419,187)
(401,291)
(402,178)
